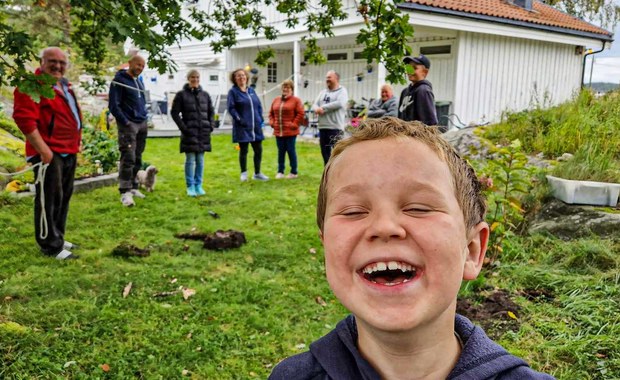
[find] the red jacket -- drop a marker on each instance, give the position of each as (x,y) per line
(52,117)
(286,116)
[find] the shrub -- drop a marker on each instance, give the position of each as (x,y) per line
(102,146)
(9,125)
(507,180)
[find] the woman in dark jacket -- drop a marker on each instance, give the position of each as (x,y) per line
(247,116)
(192,111)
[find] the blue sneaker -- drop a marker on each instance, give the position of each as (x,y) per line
(199,190)
(191,192)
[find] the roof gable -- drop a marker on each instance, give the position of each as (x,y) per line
(540,14)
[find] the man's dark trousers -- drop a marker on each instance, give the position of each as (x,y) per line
(57,190)
(131,143)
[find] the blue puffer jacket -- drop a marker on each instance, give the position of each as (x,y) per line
(247,115)
(127,104)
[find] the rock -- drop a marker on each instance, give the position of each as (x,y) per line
(466,143)
(565,157)
(573,221)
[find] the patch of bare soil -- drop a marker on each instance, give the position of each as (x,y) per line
(130,250)
(496,313)
(218,240)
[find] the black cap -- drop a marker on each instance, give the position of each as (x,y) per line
(419,60)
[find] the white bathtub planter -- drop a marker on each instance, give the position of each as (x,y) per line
(584,192)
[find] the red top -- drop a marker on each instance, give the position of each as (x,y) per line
(52,117)
(286,116)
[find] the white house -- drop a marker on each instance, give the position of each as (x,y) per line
(487,56)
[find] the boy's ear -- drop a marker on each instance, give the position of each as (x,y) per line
(475,250)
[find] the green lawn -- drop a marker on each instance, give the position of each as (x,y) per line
(255,305)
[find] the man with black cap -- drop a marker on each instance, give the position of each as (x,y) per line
(417,101)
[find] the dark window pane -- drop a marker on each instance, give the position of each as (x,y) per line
(430,50)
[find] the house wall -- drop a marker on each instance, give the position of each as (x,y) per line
(212,69)
(348,70)
(496,74)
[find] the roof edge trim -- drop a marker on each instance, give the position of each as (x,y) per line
(500,20)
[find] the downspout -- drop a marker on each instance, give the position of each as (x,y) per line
(583,66)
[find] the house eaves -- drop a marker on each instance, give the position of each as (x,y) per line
(410,6)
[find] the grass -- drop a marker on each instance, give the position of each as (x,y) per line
(586,127)
(255,305)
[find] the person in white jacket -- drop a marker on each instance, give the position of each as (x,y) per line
(331,106)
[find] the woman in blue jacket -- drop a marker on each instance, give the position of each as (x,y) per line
(247,118)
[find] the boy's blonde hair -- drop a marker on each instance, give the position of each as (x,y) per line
(467,189)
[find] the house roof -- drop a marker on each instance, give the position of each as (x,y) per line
(541,14)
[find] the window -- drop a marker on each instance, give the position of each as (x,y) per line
(358,55)
(272,72)
(337,56)
(170,76)
(430,50)
(214,78)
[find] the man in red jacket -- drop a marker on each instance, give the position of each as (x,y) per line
(53,129)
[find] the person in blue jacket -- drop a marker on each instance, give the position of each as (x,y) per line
(128,105)
(247,117)
(401,219)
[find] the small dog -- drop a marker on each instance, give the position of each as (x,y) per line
(146,178)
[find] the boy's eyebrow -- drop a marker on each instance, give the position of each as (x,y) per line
(418,187)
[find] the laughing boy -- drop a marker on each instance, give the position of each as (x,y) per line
(401,218)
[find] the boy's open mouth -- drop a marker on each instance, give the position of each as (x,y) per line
(389,273)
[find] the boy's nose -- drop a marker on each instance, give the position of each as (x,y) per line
(385,226)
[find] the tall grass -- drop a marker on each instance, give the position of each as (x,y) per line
(586,127)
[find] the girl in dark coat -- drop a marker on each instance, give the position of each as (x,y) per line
(246,113)
(192,111)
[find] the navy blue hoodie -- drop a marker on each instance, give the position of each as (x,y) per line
(127,98)
(335,356)
(417,102)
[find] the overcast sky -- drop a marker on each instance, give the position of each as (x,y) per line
(606,63)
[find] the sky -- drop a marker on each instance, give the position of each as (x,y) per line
(606,63)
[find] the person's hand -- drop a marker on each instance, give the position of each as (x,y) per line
(47,155)
(319,111)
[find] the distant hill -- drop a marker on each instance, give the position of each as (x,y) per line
(604,86)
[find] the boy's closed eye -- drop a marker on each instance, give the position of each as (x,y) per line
(353,211)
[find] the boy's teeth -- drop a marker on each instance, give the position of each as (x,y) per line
(382,266)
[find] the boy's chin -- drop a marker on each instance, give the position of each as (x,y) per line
(403,320)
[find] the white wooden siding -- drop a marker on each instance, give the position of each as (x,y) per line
(497,74)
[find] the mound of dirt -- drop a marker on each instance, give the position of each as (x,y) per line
(496,313)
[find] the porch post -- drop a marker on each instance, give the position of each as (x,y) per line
(381,73)
(296,69)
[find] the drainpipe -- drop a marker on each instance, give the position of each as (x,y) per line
(583,66)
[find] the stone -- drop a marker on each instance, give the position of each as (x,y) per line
(575,221)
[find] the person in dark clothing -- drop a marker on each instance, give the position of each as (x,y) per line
(53,130)
(398,244)
(417,101)
(192,111)
(128,105)
(246,113)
